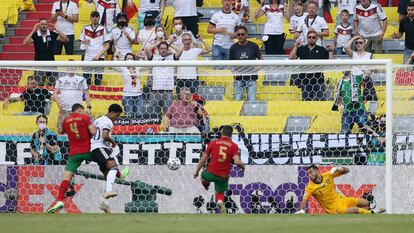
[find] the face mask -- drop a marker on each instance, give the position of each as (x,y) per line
(178,27)
(122,24)
(42,126)
(160,34)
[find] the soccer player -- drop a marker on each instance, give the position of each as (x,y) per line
(102,147)
(222,153)
(79,128)
(322,187)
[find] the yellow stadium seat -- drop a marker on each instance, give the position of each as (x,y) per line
(22,125)
(253,124)
(100,107)
(392,15)
(326,123)
(213,3)
(299,108)
(224,108)
(396,58)
(12,108)
(168,15)
(68,57)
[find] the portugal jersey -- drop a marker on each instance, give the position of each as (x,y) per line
(221,152)
(101,124)
(324,192)
(76,127)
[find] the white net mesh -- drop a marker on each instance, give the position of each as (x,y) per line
(277,128)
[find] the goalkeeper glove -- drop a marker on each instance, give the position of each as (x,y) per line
(300,212)
(333,170)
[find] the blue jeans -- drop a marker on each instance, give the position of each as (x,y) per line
(220,53)
(250,89)
(133,105)
(349,118)
(407,54)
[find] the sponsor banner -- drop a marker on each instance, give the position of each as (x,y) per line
(264,189)
(254,148)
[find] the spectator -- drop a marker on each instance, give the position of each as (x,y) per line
(298,17)
(95,41)
(122,36)
(348,5)
(107,10)
(349,94)
(187,11)
(402,8)
(44,147)
(376,145)
(35,99)
(313,22)
(370,22)
(159,36)
(44,41)
(132,98)
(312,84)
(242,8)
(244,50)
(203,119)
(176,37)
(64,15)
(407,27)
(360,54)
(222,25)
(153,7)
(181,116)
(147,34)
(162,77)
(187,76)
(343,33)
(69,90)
(274,37)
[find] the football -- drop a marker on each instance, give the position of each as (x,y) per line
(11,194)
(173,163)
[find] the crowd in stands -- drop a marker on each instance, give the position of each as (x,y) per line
(360,30)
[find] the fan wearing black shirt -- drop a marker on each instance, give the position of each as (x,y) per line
(35,99)
(244,50)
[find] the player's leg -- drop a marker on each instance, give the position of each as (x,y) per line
(112,168)
(356,205)
(206,178)
(220,186)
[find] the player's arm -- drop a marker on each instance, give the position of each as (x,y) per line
(201,164)
(339,171)
(106,137)
(92,129)
(238,162)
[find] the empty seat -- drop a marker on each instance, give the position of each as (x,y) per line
(403,124)
(211,92)
(297,124)
(254,108)
(224,108)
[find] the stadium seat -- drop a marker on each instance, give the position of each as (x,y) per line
(254,108)
(299,108)
(297,124)
(326,123)
(253,124)
(100,107)
(396,58)
(12,108)
(392,15)
(211,92)
(25,124)
(68,57)
(404,124)
(232,108)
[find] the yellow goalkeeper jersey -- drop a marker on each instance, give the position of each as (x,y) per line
(324,192)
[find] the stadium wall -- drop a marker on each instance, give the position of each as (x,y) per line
(38,185)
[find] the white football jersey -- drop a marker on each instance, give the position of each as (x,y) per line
(102,123)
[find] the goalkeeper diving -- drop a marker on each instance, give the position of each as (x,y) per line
(321,186)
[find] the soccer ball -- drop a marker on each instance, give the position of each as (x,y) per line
(173,163)
(11,194)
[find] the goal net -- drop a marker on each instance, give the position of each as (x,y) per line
(286,115)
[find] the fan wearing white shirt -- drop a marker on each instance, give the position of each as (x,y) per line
(64,15)
(153,7)
(108,7)
(348,5)
(343,33)
(146,35)
(312,22)
(187,11)
(273,36)
(122,36)
(180,29)
(187,76)
(298,17)
(132,98)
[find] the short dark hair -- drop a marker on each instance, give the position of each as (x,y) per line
(30,78)
(313,2)
(178,18)
(411,4)
(129,54)
(42,116)
(312,166)
(76,107)
(241,27)
(299,3)
(227,130)
(115,108)
(95,13)
(163,43)
(312,32)
(345,11)
(43,19)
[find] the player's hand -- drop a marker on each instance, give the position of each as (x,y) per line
(195,175)
(42,139)
(36,26)
(300,212)
(333,170)
(381,36)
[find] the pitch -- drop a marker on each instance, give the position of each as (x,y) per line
(199,223)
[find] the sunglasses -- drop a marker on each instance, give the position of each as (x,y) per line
(311,37)
(359,42)
(241,34)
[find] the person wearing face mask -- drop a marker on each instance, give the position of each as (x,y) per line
(122,36)
(132,98)
(153,7)
(159,37)
(176,38)
(44,147)
(146,35)
(35,99)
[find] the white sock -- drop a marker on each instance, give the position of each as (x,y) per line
(110,180)
(106,201)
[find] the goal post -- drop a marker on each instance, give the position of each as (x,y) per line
(278,133)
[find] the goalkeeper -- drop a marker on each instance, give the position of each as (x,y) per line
(321,186)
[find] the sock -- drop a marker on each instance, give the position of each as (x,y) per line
(106,201)
(364,211)
(118,174)
(220,197)
(63,188)
(110,180)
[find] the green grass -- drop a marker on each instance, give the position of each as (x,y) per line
(118,223)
